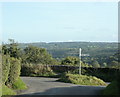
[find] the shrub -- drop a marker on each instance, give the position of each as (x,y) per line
(14,72)
(26,69)
(112,89)
(42,70)
(5,67)
(36,70)
(81,79)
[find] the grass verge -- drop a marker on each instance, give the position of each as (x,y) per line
(7,91)
(19,85)
(82,80)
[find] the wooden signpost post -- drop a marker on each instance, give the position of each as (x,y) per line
(80,55)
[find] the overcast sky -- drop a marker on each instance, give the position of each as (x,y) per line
(60,21)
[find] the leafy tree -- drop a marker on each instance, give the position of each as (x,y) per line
(70,60)
(37,55)
(12,49)
(104,64)
(114,64)
(95,64)
(114,61)
(74,61)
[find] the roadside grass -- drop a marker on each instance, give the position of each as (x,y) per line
(19,85)
(82,80)
(112,89)
(7,91)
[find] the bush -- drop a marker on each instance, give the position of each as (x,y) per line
(112,89)
(14,72)
(36,70)
(76,71)
(82,79)
(5,68)
(26,69)
(42,70)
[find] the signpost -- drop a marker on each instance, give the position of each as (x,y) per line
(80,55)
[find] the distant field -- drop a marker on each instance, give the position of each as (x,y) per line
(97,50)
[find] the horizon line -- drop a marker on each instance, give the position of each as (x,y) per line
(63,42)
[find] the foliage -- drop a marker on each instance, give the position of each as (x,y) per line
(26,69)
(95,64)
(73,61)
(104,65)
(7,91)
(81,79)
(114,61)
(36,70)
(70,61)
(11,49)
(102,73)
(11,65)
(37,55)
(76,71)
(14,72)
(19,84)
(114,87)
(5,67)
(114,64)
(111,89)
(99,51)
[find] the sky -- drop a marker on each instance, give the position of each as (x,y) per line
(60,21)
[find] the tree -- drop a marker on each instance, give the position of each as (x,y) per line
(95,64)
(37,55)
(104,64)
(74,61)
(70,60)
(114,64)
(12,49)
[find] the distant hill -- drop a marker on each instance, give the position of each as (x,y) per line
(97,50)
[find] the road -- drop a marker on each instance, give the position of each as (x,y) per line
(49,86)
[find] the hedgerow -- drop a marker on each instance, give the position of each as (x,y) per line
(36,70)
(14,72)
(5,68)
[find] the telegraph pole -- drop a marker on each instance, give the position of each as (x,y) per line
(80,61)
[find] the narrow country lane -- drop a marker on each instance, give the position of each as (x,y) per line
(49,86)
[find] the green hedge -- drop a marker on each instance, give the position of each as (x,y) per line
(112,89)
(10,70)
(102,73)
(5,68)
(14,72)
(36,70)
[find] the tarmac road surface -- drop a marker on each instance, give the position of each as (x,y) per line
(49,86)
